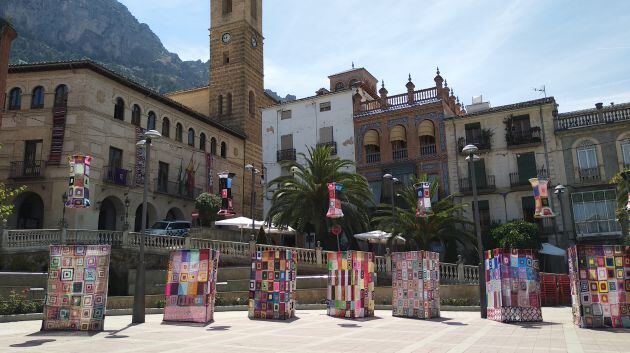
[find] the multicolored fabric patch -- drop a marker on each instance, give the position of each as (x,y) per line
(513,285)
(416,284)
(272,285)
(191,285)
(351,278)
(600,285)
(76,296)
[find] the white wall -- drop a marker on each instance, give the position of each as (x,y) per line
(304,124)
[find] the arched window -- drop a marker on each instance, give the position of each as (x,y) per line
(339,86)
(226,6)
(213,146)
(135,115)
(229,103)
(372,145)
(191,137)
(15,99)
(223,150)
(37,99)
(61,96)
(426,138)
(119,109)
(252,103)
(202,141)
(151,121)
(398,139)
(179,132)
(166,127)
(220,105)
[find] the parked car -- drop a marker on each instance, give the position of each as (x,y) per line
(172,228)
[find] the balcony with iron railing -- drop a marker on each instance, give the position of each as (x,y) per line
(117,176)
(27,169)
(176,189)
(588,175)
(482,143)
(400,154)
(286,155)
(428,150)
(520,138)
(606,115)
(331,144)
(517,181)
(371,158)
(484,185)
(400,100)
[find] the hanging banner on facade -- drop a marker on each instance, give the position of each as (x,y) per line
(225,187)
(79,181)
(140,158)
(423,208)
(334,203)
(541,198)
(209,166)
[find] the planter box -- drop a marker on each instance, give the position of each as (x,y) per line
(191,285)
(513,285)
(600,285)
(351,278)
(272,285)
(416,284)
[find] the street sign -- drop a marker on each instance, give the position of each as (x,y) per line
(336,229)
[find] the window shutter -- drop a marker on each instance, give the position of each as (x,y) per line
(286,142)
(326,134)
(526,163)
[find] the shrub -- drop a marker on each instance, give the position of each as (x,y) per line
(208,205)
(19,304)
(517,235)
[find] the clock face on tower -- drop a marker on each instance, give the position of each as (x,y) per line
(226,38)
(254,42)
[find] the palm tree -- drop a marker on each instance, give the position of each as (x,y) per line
(445,225)
(301,200)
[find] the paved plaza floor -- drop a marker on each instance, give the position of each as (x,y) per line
(314,331)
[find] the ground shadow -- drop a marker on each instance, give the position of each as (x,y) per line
(357,319)
(349,325)
(115,333)
(534,324)
(32,343)
(219,328)
(187,323)
(287,321)
(61,333)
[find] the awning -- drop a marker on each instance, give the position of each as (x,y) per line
(397,133)
(371,138)
(378,236)
(241,222)
(552,250)
(426,128)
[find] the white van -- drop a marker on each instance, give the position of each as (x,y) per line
(172,228)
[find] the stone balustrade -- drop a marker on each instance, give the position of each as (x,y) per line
(16,241)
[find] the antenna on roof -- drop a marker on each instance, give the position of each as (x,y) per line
(353,64)
(542,89)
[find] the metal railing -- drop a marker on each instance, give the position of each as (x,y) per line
(177,189)
(522,137)
(286,155)
(588,175)
(483,184)
(420,96)
(482,143)
(399,154)
(26,169)
(332,144)
(516,180)
(29,240)
(373,157)
(428,150)
(592,118)
(117,176)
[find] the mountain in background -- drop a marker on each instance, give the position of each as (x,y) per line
(102,30)
(276,96)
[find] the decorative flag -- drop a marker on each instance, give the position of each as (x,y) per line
(541,198)
(190,178)
(423,208)
(79,183)
(334,204)
(209,165)
(225,186)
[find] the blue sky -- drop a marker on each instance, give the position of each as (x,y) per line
(502,49)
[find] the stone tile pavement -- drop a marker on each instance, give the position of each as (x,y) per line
(314,331)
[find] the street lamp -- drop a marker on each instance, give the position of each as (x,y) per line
(391,185)
(253,195)
(64,199)
(559,190)
(470,150)
(138,298)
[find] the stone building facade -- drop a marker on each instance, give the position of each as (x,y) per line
(516,142)
(235,94)
(80,107)
(595,145)
(404,135)
(7,35)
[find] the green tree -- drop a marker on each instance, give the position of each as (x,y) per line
(7,195)
(445,225)
(208,205)
(621,213)
(517,235)
(301,199)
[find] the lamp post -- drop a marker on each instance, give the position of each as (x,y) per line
(64,199)
(127,202)
(559,190)
(253,195)
(391,185)
(138,298)
(470,150)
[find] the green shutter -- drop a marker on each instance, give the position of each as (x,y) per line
(526,163)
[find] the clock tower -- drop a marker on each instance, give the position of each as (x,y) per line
(236,91)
